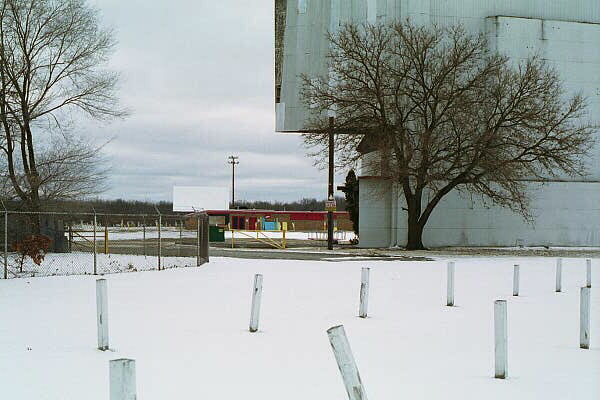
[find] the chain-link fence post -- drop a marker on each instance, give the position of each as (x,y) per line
(95,269)
(159,237)
(5,243)
(198,246)
(144,234)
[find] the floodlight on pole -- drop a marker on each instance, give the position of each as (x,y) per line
(233,160)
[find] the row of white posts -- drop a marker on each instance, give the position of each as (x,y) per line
(347,364)
(122,371)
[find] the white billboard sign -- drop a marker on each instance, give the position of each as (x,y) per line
(198,198)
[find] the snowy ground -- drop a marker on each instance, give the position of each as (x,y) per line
(173,233)
(187,330)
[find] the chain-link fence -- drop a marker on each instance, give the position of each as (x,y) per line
(42,244)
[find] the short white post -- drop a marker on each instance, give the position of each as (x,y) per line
(346,364)
(516,280)
(450,284)
(500,339)
(584,318)
(558,274)
(122,379)
(256,295)
(102,313)
(588,273)
(364,292)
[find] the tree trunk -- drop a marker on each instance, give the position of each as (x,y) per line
(415,235)
(415,227)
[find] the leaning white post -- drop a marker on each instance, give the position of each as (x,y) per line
(500,339)
(256,295)
(588,273)
(450,284)
(516,280)
(102,313)
(122,379)
(558,274)
(364,293)
(346,364)
(584,318)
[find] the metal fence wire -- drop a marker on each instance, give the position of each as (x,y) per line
(44,244)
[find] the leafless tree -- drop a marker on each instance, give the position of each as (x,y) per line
(446,113)
(69,169)
(52,58)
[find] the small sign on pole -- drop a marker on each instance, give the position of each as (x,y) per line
(330,205)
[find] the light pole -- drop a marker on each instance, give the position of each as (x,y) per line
(330,198)
(233,160)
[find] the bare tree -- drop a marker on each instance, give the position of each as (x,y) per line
(446,114)
(69,169)
(52,54)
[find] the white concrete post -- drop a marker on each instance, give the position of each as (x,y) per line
(256,295)
(516,280)
(588,273)
(450,284)
(346,364)
(364,293)
(122,379)
(584,318)
(102,313)
(500,339)
(558,274)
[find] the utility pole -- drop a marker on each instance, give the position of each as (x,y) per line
(330,206)
(233,160)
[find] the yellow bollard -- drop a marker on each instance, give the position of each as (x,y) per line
(283,239)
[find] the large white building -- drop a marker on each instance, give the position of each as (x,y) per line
(564,32)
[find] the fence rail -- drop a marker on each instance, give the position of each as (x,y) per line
(62,243)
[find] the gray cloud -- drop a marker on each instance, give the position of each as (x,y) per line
(198,76)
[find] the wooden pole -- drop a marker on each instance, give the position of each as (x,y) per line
(450,284)
(330,184)
(346,364)
(122,379)
(364,293)
(588,273)
(256,296)
(500,339)
(102,313)
(516,280)
(558,275)
(584,318)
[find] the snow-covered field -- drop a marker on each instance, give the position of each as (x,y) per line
(187,330)
(171,233)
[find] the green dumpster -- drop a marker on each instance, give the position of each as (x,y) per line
(216,234)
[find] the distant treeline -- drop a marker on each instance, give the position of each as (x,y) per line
(299,205)
(120,206)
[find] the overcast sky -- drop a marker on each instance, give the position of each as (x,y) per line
(198,76)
